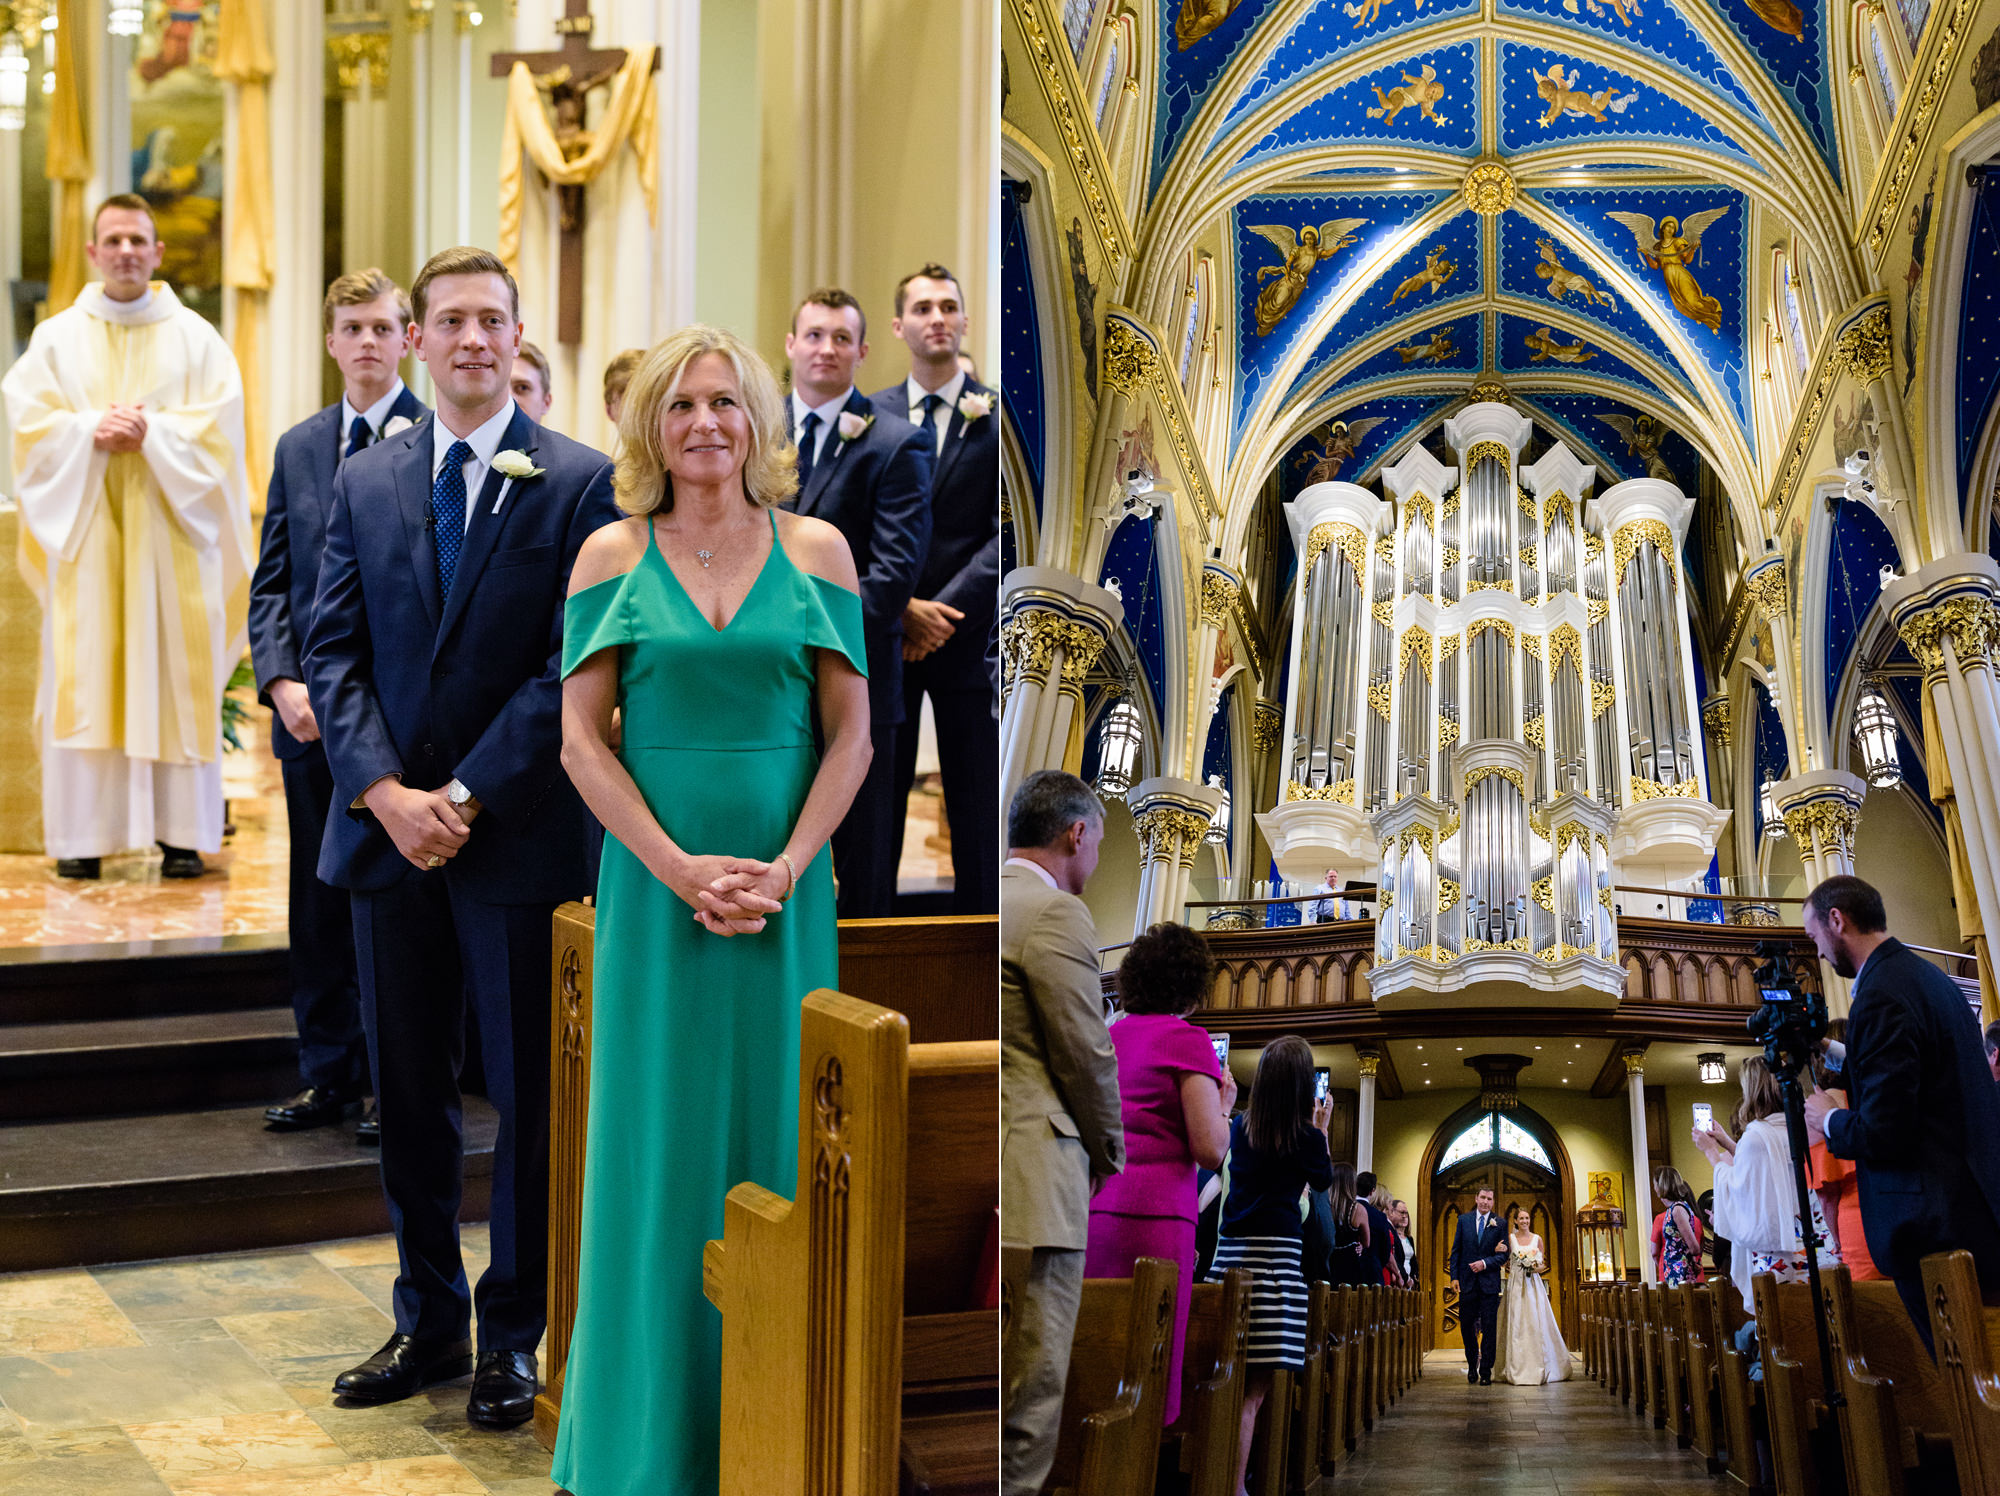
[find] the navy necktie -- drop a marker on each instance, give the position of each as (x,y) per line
(448,514)
(358,436)
(808,430)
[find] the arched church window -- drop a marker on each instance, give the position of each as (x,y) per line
(1885,76)
(1106,84)
(1076,25)
(1795,325)
(1197,314)
(1491,1133)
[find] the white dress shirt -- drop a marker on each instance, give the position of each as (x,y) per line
(485,441)
(948,392)
(376,415)
(829,416)
(1035,867)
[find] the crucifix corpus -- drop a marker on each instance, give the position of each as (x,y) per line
(565,78)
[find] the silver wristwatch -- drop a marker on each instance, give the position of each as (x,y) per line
(457,793)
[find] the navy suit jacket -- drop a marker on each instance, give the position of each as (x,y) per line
(1923,1119)
(876,490)
(287,575)
(1469,1246)
(470,688)
(963,570)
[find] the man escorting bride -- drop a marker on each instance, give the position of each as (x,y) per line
(1532,1350)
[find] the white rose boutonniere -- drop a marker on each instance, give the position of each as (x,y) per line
(851,425)
(396,426)
(515,465)
(975,407)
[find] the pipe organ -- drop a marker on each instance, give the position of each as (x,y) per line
(1493,708)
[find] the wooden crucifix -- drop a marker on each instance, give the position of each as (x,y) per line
(567,76)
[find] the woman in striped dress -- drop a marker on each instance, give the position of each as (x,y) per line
(1277,1149)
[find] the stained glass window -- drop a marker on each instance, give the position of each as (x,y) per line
(1521,1143)
(1795,323)
(1885,78)
(1104,88)
(1076,25)
(1475,1140)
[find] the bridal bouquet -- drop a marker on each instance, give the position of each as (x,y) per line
(1529,1259)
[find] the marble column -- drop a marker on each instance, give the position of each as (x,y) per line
(1171,817)
(1822,811)
(1639,1205)
(1364,1116)
(1946,614)
(1054,627)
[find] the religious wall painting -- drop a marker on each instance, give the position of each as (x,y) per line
(1437,348)
(1913,280)
(1550,98)
(1605,1189)
(1375,431)
(1198,18)
(1419,344)
(1086,303)
(1543,344)
(1654,28)
(1299,253)
(1326,451)
(1986,74)
(1188,72)
(178,122)
(1429,99)
(1530,344)
(1642,436)
(1287,275)
(1522,262)
(1438,267)
(1686,248)
(1564,280)
(1581,421)
(1787,38)
(1323,35)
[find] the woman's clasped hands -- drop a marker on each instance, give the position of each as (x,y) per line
(730,895)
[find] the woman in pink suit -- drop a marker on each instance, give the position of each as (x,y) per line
(1176,1101)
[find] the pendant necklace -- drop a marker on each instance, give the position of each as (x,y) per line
(704,557)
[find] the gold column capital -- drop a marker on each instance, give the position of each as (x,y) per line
(1862,348)
(1635,1063)
(1368,1063)
(1267,721)
(1968,619)
(1169,830)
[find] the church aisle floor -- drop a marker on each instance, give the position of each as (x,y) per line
(209,1376)
(1448,1438)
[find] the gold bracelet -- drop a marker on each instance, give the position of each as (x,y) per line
(786,859)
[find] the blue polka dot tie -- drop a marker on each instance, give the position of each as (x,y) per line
(448,514)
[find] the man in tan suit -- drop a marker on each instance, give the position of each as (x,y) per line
(1060,1129)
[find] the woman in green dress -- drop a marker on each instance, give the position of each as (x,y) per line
(718,625)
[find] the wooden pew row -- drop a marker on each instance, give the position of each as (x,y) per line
(1895,1428)
(1796,1412)
(1362,1353)
(939,974)
(1966,1332)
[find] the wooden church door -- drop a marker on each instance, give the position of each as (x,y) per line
(1516,1181)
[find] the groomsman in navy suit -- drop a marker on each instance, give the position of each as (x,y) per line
(946,622)
(434,661)
(367,321)
(866,471)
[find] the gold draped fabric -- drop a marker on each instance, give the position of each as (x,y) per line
(629,118)
(250,255)
(68,165)
(1970,927)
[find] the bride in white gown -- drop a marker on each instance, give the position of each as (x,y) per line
(1531,1345)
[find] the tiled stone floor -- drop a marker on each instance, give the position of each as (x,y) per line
(1447,1438)
(210,1376)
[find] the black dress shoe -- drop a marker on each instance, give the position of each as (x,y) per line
(315,1106)
(79,867)
(1472,1378)
(179,862)
(1486,1381)
(368,1131)
(404,1366)
(503,1389)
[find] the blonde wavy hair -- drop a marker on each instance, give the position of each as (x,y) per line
(641,481)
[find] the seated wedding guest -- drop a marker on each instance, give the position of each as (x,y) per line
(1061,1128)
(617,378)
(530,383)
(1381,1235)
(1276,1150)
(1756,1199)
(1350,1252)
(1922,1113)
(1406,1244)
(1676,1230)
(1175,1100)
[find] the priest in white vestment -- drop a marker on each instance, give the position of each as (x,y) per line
(127,413)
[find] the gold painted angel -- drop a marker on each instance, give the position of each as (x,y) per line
(1198,18)
(1642,439)
(1300,253)
(1340,443)
(1668,250)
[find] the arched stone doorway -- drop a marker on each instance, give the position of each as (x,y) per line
(1521,1158)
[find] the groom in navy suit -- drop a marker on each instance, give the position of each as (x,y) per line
(867,472)
(434,661)
(947,621)
(367,322)
(1478,1252)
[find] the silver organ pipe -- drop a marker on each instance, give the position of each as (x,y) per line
(1381,682)
(1660,736)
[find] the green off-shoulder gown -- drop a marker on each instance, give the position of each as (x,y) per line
(695,1037)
